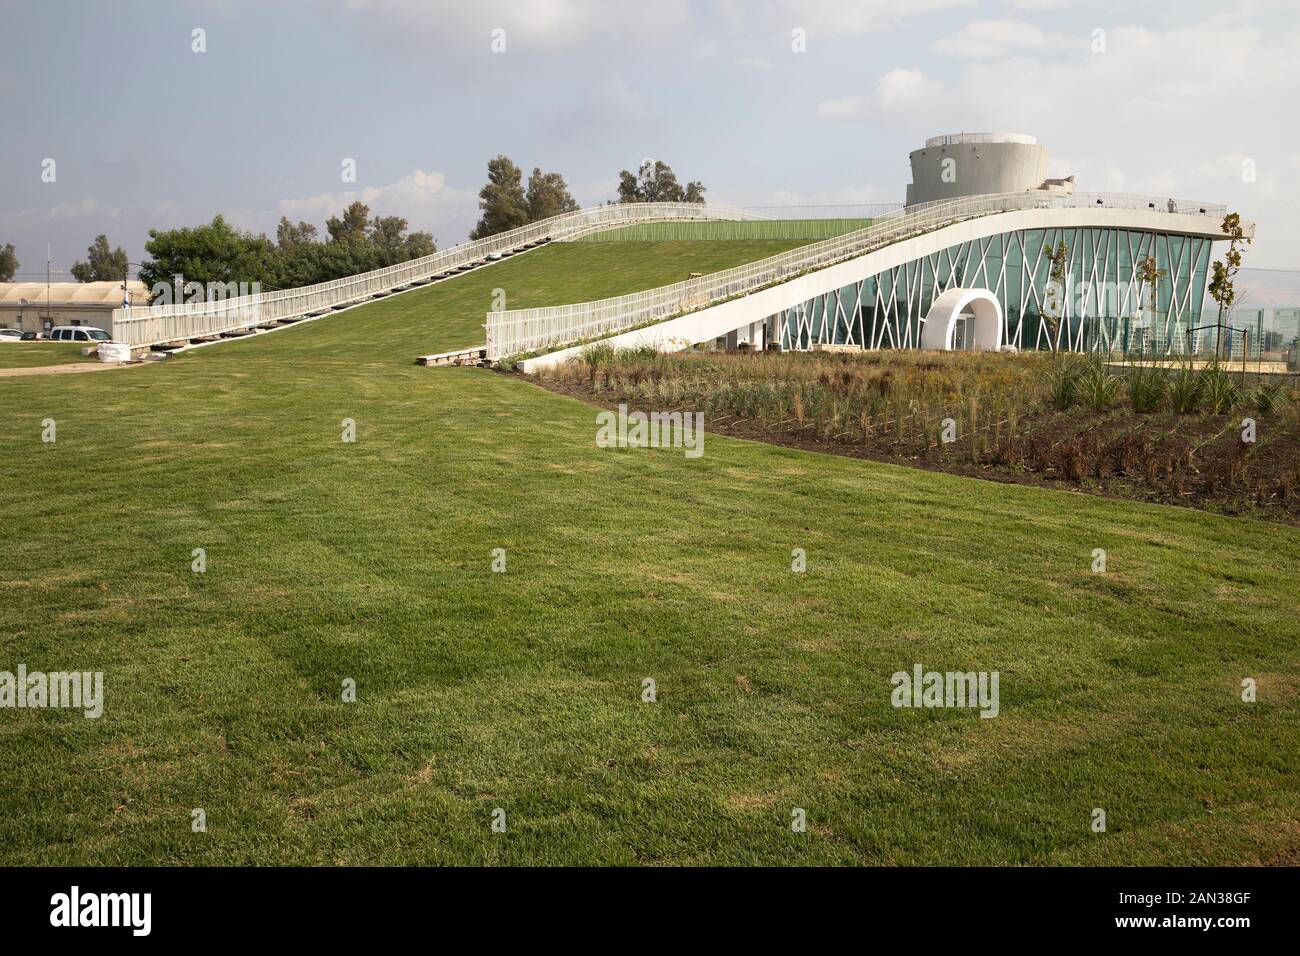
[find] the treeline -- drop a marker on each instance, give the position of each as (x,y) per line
(217,252)
(356,242)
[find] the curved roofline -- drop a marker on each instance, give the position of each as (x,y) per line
(102,293)
(722,317)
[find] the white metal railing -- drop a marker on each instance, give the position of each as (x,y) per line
(177,322)
(511,332)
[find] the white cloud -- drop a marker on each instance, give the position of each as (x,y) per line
(839,17)
(422,198)
(536,25)
(982,39)
(74,211)
(900,91)
(845,108)
(903,89)
(1165,112)
(86,208)
(1037,5)
(420,191)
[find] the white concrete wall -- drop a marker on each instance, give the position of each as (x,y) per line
(715,321)
(980,169)
(33,316)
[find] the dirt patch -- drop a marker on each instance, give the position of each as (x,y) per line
(66,369)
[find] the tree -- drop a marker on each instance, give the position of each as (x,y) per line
(548,195)
(502,199)
(655,181)
(387,230)
(393,245)
(1224,271)
(352,227)
(287,234)
(357,243)
(212,253)
(216,253)
(8,262)
(1055,291)
(103,265)
(418,245)
(1150,273)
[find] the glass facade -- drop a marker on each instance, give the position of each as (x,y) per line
(1101,302)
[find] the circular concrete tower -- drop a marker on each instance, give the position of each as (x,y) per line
(976,164)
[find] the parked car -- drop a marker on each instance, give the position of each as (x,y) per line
(11,335)
(78,333)
(33,336)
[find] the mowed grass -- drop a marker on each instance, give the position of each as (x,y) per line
(38,354)
(522,691)
(800,229)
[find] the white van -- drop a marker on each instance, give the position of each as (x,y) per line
(77,333)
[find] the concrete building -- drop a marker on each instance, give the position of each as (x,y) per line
(1007,259)
(979,164)
(37,307)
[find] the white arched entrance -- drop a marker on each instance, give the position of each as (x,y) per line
(978,307)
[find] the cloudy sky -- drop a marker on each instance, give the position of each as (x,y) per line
(1170,97)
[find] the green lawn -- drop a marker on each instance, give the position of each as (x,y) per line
(801,229)
(371,561)
(36,354)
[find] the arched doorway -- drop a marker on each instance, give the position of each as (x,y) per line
(963,318)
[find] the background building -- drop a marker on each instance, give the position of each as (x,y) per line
(1098,243)
(37,307)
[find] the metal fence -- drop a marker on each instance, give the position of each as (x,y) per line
(510,332)
(178,322)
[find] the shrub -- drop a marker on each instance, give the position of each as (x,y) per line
(1097,387)
(1148,388)
(1063,381)
(597,354)
(1185,391)
(1269,398)
(1217,390)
